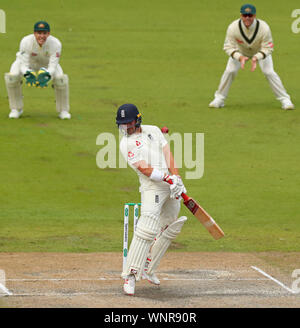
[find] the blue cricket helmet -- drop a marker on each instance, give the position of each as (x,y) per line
(128,113)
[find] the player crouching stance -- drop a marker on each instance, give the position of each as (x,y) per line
(38,61)
(249,38)
(147,151)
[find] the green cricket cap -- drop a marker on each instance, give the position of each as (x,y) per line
(248,9)
(41,26)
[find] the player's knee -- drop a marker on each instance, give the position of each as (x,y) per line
(174,228)
(268,72)
(12,79)
(147,227)
(230,71)
(61,82)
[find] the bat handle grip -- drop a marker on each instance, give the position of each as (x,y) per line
(169,181)
(185,197)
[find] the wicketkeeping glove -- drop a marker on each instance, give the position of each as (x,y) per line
(30,77)
(43,77)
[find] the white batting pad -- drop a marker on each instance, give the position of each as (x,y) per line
(137,256)
(146,230)
(163,242)
(147,227)
(61,87)
(14,90)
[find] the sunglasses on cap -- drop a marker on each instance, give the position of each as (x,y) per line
(247,15)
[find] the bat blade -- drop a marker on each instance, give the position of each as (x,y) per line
(208,222)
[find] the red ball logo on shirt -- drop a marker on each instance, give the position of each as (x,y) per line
(137,143)
(130,154)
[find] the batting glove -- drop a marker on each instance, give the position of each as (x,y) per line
(177,188)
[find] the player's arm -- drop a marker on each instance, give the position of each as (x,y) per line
(231,47)
(24,56)
(265,50)
(152,173)
(176,187)
(170,160)
(175,177)
(266,45)
(230,44)
(147,170)
(54,59)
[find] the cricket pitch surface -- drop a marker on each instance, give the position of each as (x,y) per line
(188,280)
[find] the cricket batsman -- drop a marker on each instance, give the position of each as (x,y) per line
(38,62)
(249,38)
(147,151)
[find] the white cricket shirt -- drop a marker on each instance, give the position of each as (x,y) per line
(33,56)
(254,41)
(148,146)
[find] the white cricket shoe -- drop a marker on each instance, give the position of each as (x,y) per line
(129,285)
(64,115)
(287,104)
(151,278)
(14,113)
(217,103)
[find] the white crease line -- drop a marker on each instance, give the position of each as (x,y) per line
(218,279)
(60,294)
(211,293)
(63,279)
(119,279)
(6,291)
(273,279)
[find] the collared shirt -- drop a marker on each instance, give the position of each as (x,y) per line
(146,146)
(253,41)
(33,56)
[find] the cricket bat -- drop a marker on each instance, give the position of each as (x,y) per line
(208,222)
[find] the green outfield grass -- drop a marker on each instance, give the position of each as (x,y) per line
(167,58)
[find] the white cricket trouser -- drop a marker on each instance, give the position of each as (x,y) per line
(267,68)
(167,210)
(159,203)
